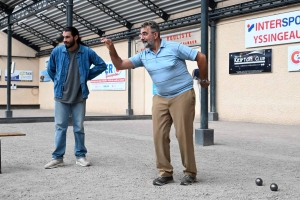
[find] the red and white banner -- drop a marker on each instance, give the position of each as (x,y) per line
(294,58)
(188,37)
(275,29)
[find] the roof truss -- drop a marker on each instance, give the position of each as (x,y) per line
(101,6)
(154,8)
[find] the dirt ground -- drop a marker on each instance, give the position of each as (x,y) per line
(123,163)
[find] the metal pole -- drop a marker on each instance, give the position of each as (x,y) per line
(204,136)
(70,23)
(212,67)
(204,50)
(213,115)
(129,111)
(70,13)
(8,112)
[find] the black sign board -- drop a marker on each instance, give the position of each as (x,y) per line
(255,61)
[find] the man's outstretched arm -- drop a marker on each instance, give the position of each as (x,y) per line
(119,63)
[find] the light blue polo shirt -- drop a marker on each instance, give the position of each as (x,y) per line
(167,68)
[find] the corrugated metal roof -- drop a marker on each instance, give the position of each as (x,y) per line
(11,3)
(97,14)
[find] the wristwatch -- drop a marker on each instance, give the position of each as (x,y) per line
(203,80)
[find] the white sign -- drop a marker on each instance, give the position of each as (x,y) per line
(189,38)
(110,79)
(275,29)
(294,58)
(20,75)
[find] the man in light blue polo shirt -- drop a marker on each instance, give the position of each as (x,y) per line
(175,98)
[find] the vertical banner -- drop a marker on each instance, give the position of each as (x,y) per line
(110,79)
(294,58)
(44,76)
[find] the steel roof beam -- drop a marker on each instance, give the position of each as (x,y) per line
(37,34)
(44,52)
(111,13)
(28,11)
(24,41)
(82,21)
(3,6)
(212,4)
(154,8)
(50,22)
(46,19)
(23,4)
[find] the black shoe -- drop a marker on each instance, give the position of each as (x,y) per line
(187,180)
(162,180)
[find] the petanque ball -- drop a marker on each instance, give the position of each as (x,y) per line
(274,187)
(59,37)
(259,181)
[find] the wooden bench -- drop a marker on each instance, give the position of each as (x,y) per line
(8,135)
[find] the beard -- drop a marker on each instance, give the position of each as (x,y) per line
(148,44)
(69,44)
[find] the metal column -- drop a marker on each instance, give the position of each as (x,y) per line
(70,23)
(204,136)
(129,111)
(213,115)
(70,13)
(8,112)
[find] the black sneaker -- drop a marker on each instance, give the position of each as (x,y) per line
(162,180)
(187,180)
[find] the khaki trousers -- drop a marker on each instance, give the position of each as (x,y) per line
(179,110)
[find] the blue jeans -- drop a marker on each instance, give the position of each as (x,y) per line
(62,112)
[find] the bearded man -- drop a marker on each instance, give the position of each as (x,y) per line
(69,68)
(175,98)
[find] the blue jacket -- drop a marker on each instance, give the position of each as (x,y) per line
(58,66)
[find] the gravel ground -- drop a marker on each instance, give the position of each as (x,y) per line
(123,163)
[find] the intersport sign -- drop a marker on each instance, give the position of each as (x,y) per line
(275,29)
